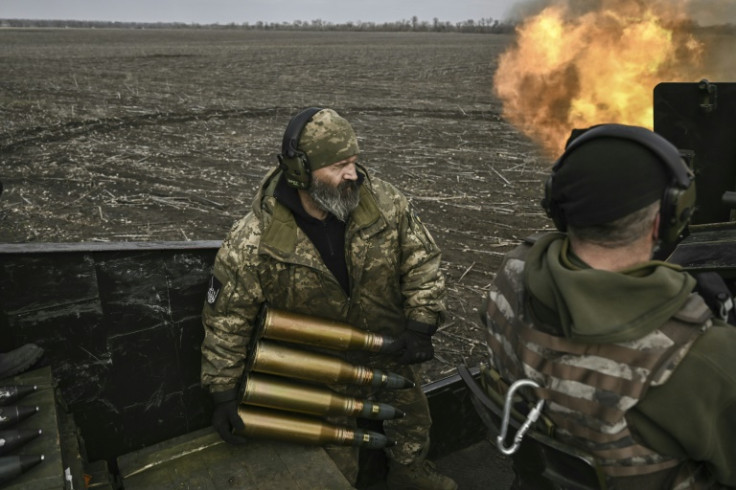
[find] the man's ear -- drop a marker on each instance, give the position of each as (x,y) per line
(655,225)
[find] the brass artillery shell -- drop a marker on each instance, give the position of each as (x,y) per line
(273,358)
(320,332)
(275,392)
(272,424)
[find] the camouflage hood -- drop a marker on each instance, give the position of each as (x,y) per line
(577,300)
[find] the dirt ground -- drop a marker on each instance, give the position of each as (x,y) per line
(161,135)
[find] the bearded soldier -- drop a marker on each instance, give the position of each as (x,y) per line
(325,239)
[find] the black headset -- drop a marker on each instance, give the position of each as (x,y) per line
(678,199)
(293,162)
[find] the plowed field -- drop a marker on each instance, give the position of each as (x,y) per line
(160,135)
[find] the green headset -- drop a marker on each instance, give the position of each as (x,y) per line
(678,199)
(293,162)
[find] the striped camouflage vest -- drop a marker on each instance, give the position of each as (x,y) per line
(588,388)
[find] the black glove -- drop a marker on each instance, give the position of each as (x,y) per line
(417,343)
(714,290)
(225,417)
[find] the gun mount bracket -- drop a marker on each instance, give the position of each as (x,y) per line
(708,96)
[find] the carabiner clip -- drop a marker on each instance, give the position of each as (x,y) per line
(530,418)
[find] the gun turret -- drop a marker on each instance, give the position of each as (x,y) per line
(700,119)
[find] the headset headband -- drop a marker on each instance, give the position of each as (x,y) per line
(294,130)
(678,198)
(658,145)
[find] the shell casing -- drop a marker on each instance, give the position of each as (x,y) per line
(274,392)
(273,358)
(14,465)
(282,426)
(319,332)
(10,394)
(12,414)
(15,438)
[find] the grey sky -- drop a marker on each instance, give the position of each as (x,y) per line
(239,11)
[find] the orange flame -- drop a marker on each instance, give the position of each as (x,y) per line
(570,71)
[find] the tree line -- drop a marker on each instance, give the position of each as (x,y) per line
(483,25)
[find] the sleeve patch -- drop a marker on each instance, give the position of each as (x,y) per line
(214,290)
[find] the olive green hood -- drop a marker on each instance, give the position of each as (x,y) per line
(596,306)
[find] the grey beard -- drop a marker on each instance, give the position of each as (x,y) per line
(340,200)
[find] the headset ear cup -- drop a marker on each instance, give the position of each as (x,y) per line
(296,170)
(678,199)
(295,163)
(551,208)
(675,213)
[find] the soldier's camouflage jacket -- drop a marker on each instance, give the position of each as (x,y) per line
(393,264)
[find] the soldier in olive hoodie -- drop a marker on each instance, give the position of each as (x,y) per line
(632,365)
